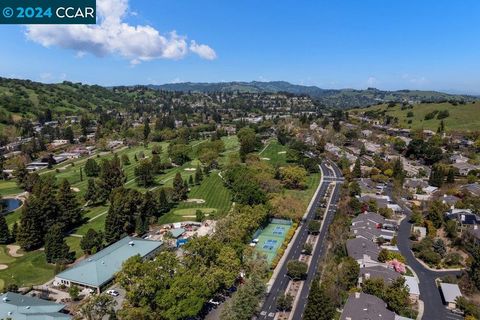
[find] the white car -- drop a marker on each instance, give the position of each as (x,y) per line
(113,293)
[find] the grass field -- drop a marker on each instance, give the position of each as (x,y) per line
(275,152)
(462,117)
(9,187)
(212,190)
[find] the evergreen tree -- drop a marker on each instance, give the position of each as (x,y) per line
(357,169)
(451,176)
(92,241)
(436,177)
(21,173)
(122,213)
(5,236)
(398,173)
(179,192)
(70,212)
(92,169)
(91,195)
(146,130)
(190,180)
(30,233)
(319,305)
(198,175)
(111,176)
(148,208)
(163,205)
(14,232)
(144,173)
(56,249)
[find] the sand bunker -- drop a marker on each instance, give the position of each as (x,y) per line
(75,189)
(3,266)
(267,159)
(199,201)
(13,251)
(282,152)
(190,169)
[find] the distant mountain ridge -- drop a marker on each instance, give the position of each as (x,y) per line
(342,98)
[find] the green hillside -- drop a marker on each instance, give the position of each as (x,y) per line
(25,98)
(461,117)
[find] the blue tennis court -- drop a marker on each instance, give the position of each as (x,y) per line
(279,231)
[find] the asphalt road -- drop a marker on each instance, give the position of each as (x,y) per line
(429,293)
(280,284)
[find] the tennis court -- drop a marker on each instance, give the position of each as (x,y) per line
(271,238)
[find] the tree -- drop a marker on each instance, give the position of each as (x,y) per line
(70,214)
(436,177)
(74,292)
(296,269)
(436,213)
(190,180)
(198,175)
(439,247)
(319,305)
(21,173)
(122,214)
(92,193)
(163,205)
(30,234)
(284,302)
(92,169)
(398,172)
(474,270)
(56,249)
(179,190)
(98,306)
(451,176)
(144,173)
(357,169)
(125,160)
(314,226)
(146,130)
(383,255)
(248,141)
(199,215)
(336,125)
(111,176)
(293,177)
(5,236)
(92,241)
(68,134)
(307,248)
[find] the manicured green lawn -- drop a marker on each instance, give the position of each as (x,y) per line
(306,195)
(31,269)
(9,187)
(275,152)
(212,190)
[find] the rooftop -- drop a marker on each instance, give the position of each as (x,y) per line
(365,306)
(450,291)
(100,268)
(19,307)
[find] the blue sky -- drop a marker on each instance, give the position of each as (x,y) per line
(394,44)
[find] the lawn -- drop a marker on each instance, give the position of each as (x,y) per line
(212,190)
(306,195)
(9,187)
(275,152)
(462,117)
(31,269)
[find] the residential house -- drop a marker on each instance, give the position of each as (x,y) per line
(450,293)
(365,306)
(413,288)
(472,188)
(364,251)
(464,217)
(464,168)
(379,271)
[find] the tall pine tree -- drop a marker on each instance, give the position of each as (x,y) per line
(111,176)
(357,169)
(319,305)
(70,212)
(30,232)
(56,249)
(5,236)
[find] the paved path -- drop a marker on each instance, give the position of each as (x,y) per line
(429,293)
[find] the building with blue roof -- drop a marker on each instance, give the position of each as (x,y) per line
(98,270)
(19,307)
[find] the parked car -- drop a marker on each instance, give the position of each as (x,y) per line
(113,293)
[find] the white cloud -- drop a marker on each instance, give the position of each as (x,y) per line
(112,36)
(203,50)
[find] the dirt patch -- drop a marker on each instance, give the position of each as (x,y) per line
(75,189)
(198,201)
(3,266)
(13,251)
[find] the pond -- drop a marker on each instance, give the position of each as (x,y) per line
(9,204)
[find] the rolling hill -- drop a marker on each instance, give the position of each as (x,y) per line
(461,117)
(337,98)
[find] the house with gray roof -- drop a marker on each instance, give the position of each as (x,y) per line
(450,293)
(364,251)
(366,306)
(383,272)
(472,188)
(19,307)
(98,270)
